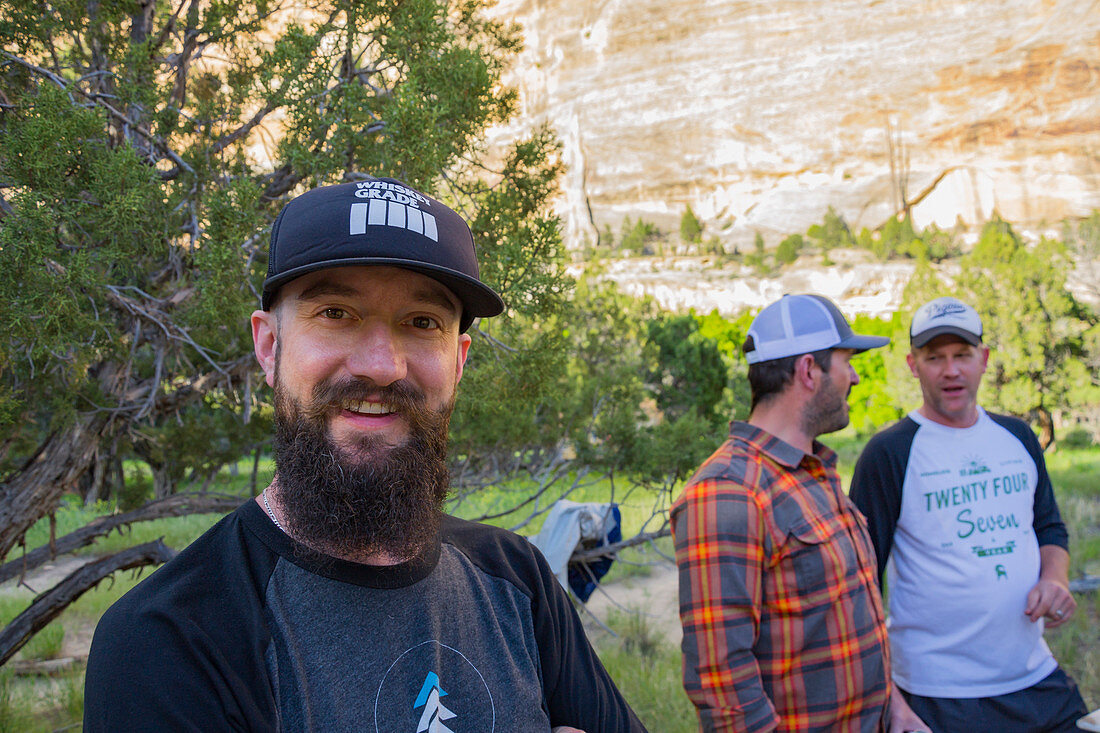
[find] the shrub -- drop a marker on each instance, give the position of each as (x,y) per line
(691,230)
(1077,438)
(788,249)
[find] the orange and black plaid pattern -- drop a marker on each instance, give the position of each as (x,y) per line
(783,623)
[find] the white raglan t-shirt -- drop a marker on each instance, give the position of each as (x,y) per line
(965,554)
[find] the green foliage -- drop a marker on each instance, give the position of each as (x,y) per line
(871,404)
(788,249)
(690,373)
(757,259)
(691,230)
(84,214)
(640,237)
(606,333)
(728,336)
(1077,438)
(898,239)
(712,246)
(832,232)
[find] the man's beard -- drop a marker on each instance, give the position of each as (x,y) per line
(827,411)
(353,501)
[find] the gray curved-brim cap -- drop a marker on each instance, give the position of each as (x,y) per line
(802,324)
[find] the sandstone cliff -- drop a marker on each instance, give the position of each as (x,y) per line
(761,113)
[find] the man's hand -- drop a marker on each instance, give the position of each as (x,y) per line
(902,717)
(1050,597)
(566,729)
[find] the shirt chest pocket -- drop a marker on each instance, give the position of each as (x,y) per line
(816,556)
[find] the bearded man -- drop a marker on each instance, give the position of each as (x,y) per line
(343,598)
(783,622)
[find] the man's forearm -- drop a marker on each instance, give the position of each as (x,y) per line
(1054,564)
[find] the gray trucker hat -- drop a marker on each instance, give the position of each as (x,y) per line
(801,324)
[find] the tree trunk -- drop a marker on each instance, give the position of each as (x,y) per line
(1046,428)
(36,490)
(163,485)
(64,456)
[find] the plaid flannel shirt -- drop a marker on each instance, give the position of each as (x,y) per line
(783,622)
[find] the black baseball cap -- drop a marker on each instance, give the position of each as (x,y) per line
(379,221)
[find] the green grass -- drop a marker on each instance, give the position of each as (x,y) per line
(41,705)
(646,668)
(1075,471)
(1075,645)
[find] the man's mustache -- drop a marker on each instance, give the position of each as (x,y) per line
(332,394)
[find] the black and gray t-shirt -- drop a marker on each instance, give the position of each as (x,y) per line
(240,633)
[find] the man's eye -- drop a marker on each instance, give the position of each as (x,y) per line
(334,313)
(424,322)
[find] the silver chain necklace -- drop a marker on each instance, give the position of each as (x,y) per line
(271,513)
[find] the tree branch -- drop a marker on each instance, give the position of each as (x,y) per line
(639,539)
(177,505)
(47,606)
(244,129)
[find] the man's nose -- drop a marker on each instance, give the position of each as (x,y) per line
(854,375)
(377,355)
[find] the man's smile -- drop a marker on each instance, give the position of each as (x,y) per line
(368,407)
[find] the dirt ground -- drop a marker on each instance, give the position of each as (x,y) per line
(653,595)
(78,635)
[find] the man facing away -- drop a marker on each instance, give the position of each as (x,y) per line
(783,624)
(343,598)
(963,519)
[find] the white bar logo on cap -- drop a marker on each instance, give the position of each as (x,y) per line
(377,212)
(391,205)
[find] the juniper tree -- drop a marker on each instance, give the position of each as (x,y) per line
(145,147)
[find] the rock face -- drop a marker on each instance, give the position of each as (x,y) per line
(856,282)
(760,114)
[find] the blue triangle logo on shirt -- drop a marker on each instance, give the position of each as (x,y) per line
(430,682)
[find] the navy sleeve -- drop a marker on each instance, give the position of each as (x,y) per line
(877,484)
(577,690)
(1046,519)
(160,660)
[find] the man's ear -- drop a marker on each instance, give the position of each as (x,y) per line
(464,341)
(912,362)
(265,342)
(806,372)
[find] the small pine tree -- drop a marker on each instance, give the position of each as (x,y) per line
(691,230)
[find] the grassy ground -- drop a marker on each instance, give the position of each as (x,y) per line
(644,665)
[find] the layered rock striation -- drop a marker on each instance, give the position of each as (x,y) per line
(760,114)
